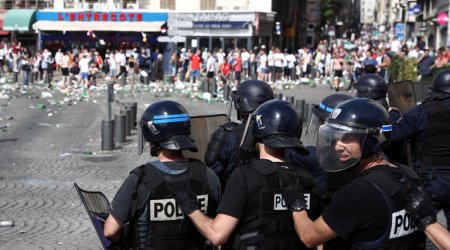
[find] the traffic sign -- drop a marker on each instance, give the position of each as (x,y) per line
(400,31)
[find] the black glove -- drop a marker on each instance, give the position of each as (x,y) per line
(420,207)
(184,196)
(294,198)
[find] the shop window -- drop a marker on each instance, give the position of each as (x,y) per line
(168,4)
(207,4)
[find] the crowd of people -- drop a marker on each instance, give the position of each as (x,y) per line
(79,67)
(332,63)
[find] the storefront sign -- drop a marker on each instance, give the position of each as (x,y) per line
(88,16)
(219,25)
(99,16)
(211,17)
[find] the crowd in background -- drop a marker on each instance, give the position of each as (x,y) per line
(327,63)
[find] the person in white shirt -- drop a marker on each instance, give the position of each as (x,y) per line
(278,63)
(112,64)
(220,57)
(121,60)
(211,72)
(262,66)
(58,59)
(270,67)
(84,70)
(245,56)
(290,61)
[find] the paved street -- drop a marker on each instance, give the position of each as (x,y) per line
(44,151)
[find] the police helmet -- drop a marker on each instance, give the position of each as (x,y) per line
(321,112)
(441,81)
(250,94)
(278,125)
(358,120)
(371,86)
(165,124)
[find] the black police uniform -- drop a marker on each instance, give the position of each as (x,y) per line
(253,195)
(427,125)
(223,153)
(369,213)
(155,220)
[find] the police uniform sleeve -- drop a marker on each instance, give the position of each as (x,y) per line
(215,191)
(122,205)
(358,208)
(234,198)
(214,149)
(410,125)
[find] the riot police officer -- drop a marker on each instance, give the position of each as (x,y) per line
(144,202)
(369,212)
(427,126)
(374,87)
(226,148)
(309,162)
(252,204)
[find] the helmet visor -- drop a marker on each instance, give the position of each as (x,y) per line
(339,147)
(313,126)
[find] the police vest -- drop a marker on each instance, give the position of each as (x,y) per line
(273,229)
(162,224)
(436,140)
(401,233)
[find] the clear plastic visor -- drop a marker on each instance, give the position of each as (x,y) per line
(312,128)
(339,147)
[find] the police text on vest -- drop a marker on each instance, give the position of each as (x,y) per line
(401,224)
(280,204)
(168,209)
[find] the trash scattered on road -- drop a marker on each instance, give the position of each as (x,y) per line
(45,124)
(65,154)
(46,94)
(40,106)
(6,223)
(87,152)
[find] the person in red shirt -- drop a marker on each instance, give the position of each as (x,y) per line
(195,67)
(237,67)
(225,72)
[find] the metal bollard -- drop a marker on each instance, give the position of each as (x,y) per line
(133,106)
(127,113)
(119,128)
(307,112)
(205,86)
(300,106)
(107,134)
(291,99)
(15,75)
(226,92)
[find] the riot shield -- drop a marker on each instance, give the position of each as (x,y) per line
(202,128)
(96,205)
(402,96)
